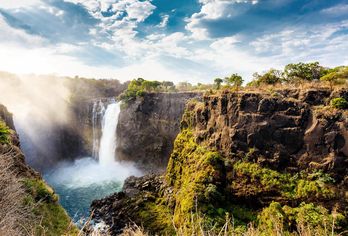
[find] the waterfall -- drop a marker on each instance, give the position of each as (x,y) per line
(97,118)
(107,145)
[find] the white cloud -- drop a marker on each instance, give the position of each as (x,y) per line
(9,34)
(337,10)
(12,4)
(301,44)
(213,10)
(164,22)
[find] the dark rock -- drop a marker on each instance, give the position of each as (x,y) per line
(148,126)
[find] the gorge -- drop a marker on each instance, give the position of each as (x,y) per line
(175,162)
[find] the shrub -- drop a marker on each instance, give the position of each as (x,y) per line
(339,103)
(296,187)
(4,133)
(281,220)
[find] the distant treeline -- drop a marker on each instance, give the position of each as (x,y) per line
(292,74)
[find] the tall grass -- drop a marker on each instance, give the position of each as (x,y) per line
(14,215)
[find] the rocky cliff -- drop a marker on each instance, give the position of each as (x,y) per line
(28,204)
(275,160)
(148,126)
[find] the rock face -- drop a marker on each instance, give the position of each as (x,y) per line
(246,154)
(148,126)
(281,131)
(118,208)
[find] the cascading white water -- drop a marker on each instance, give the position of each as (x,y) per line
(89,178)
(107,145)
(97,118)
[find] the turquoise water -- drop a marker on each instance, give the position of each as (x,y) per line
(85,180)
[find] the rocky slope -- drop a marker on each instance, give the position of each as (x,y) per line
(28,204)
(148,126)
(278,160)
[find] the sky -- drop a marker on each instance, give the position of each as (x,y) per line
(178,40)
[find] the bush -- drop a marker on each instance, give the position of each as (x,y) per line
(339,103)
(4,133)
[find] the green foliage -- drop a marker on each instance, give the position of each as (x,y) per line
(332,78)
(294,187)
(39,190)
(194,172)
(304,71)
(44,203)
(234,80)
(339,103)
(270,77)
(218,82)
(157,217)
(305,216)
(4,133)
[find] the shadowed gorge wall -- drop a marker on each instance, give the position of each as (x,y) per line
(148,126)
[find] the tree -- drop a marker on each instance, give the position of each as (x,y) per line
(272,76)
(304,72)
(150,85)
(331,78)
(184,86)
(218,82)
(167,85)
(234,80)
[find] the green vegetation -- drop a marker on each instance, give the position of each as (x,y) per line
(339,103)
(4,133)
(304,71)
(270,77)
(304,218)
(194,172)
(218,82)
(44,204)
(157,217)
(301,72)
(234,80)
(302,186)
(138,87)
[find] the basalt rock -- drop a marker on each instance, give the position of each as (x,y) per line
(148,126)
(123,208)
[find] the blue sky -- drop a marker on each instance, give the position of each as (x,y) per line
(179,40)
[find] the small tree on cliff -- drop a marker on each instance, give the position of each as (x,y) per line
(218,82)
(234,80)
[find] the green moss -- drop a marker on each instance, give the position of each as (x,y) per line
(40,190)
(157,217)
(4,133)
(304,217)
(339,103)
(293,187)
(44,203)
(195,174)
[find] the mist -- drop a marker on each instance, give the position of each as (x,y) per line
(39,104)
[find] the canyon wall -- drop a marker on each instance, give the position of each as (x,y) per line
(148,126)
(277,160)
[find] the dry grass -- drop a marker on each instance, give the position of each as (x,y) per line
(304,85)
(14,216)
(229,229)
